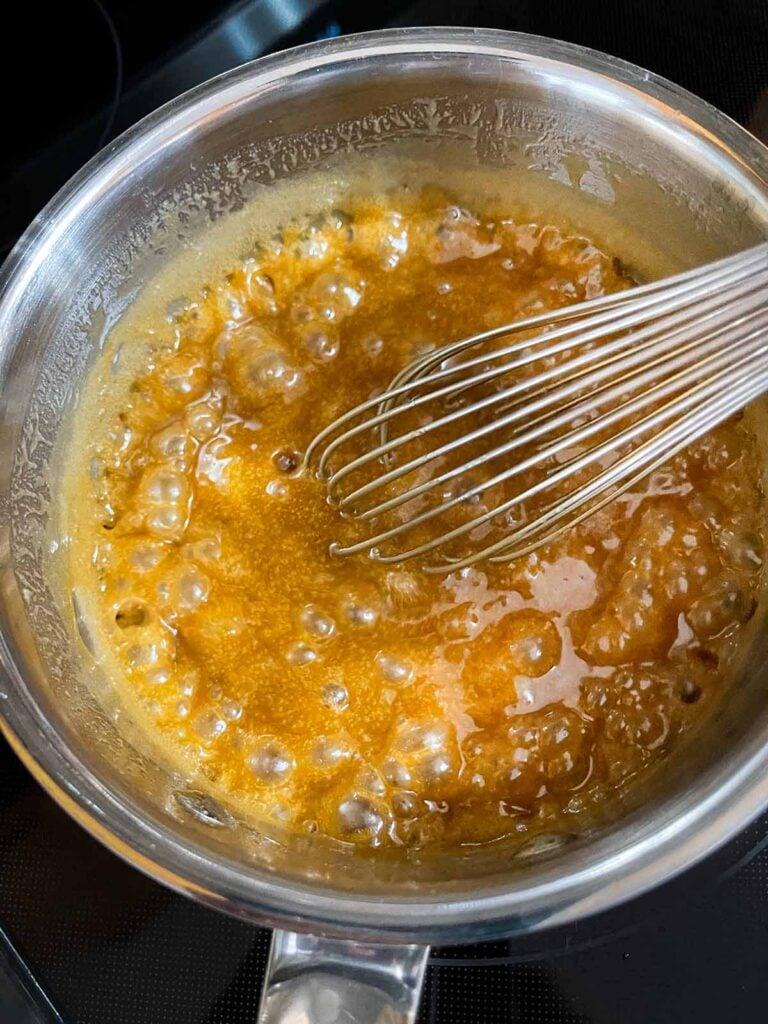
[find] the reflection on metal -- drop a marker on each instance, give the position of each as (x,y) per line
(245,34)
(758,122)
(311,980)
(22,1000)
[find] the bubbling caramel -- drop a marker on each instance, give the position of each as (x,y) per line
(381,706)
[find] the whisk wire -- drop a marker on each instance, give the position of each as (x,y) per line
(704,390)
(686,288)
(637,375)
(402,384)
(546,425)
(605,356)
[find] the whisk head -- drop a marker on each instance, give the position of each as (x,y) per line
(493,445)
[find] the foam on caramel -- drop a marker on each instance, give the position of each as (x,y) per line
(378,705)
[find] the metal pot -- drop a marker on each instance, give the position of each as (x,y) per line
(636,151)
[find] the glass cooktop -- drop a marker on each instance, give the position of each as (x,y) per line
(85,939)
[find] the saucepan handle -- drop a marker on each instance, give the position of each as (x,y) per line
(329,981)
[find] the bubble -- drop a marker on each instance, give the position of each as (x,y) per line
(521,643)
(393,670)
(142,655)
(723,603)
(397,240)
(193,590)
(206,550)
(335,696)
(301,654)
(396,773)
(339,293)
(538,652)
(444,288)
(429,736)
(271,762)
(215,460)
(167,523)
(276,489)
(531,649)
(361,615)
(203,421)
(373,346)
(311,246)
(393,247)
(316,623)
(320,346)
(742,548)
(280,811)
(421,747)
(159,676)
(185,376)
(230,710)
(404,803)
(270,368)
(301,312)
(286,461)
(232,305)
(690,692)
(329,752)
(435,768)
(147,557)
(221,348)
(175,445)
(209,725)
(183,708)
(261,290)
(426,829)
(162,485)
(369,779)
(131,614)
(404,589)
(188,684)
(260,369)
(359,814)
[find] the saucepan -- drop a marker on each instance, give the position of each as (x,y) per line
(629,149)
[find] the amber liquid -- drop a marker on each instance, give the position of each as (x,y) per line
(379,705)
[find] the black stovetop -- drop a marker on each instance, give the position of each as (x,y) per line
(104,945)
(85,939)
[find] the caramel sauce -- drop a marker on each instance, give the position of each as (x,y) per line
(380,705)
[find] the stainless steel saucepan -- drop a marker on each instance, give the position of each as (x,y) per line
(352,932)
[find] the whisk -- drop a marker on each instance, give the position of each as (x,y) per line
(493,445)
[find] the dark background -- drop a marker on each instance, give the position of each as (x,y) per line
(86,940)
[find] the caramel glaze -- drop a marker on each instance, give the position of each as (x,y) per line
(378,705)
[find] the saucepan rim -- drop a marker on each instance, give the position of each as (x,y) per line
(433,914)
